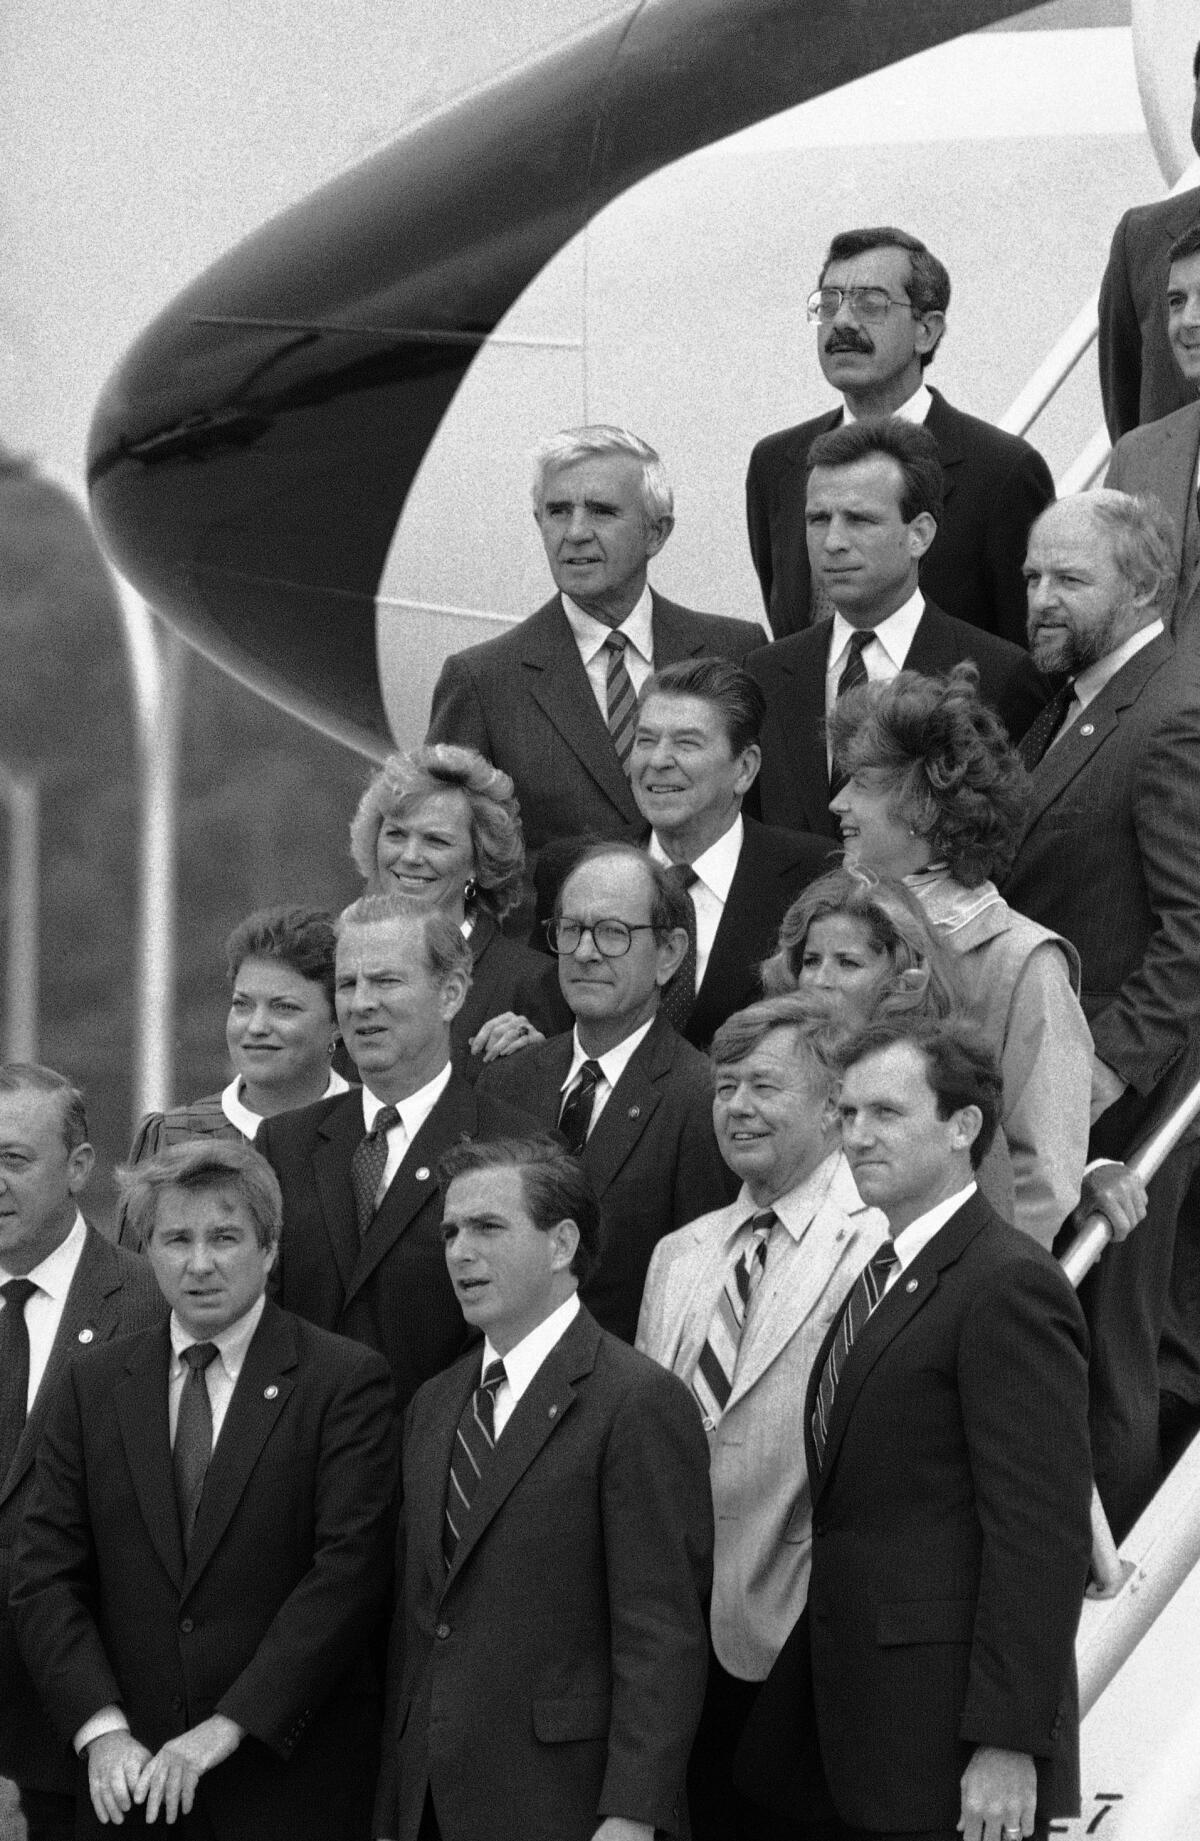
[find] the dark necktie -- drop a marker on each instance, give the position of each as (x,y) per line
(679,993)
(193,1435)
(577,1107)
(854,673)
(368,1164)
(864,1296)
(621,699)
(712,1378)
(474,1442)
(14,1367)
(1042,731)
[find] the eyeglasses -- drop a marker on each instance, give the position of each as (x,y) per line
(869,304)
(611,938)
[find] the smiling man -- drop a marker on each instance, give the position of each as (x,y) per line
(630,1096)
(736,1304)
(873,506)
(696,755)
(552,701)
(546,1665)
(947,1445)
(880,312)
(361,1202)
(207,1548)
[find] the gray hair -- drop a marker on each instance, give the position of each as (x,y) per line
(604,438)
(1141,535)
(32,1077)
(446,951)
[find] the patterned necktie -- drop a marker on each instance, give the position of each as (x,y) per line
(193,1435)
(866,1292)
(576,1114)
(14,1367)
(473,1444)
(854,673)
(712,1378)
(367,1166)
(679,993)
(1035,742)
(622,700)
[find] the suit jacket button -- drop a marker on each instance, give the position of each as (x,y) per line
(442,1632)
(186,1625)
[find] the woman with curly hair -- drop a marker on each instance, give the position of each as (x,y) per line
(441,825)
(936,795)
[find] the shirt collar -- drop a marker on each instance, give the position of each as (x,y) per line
(231,1342)
(716,866)
(590,633)
(414,1110)
(526,1357)
(613,1062)
(1092,680)
(911,1239)
(247,1122)
(915,410)
(797,1208)
(895,634)
(53,1274)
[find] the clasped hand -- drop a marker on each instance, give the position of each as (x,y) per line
(122,1771)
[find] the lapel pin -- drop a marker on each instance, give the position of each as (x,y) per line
(271,1392)
(911,1285)
(1089,728)
(87,1333)
(635,1112)
(553,1412)
(422,1175)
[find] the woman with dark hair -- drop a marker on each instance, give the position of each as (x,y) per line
(441,825)
(937,796)
(281,1031)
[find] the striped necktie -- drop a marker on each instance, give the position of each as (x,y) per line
(368,1165)
(864,1296)
(854,673)
(575,1119)
(712,1378)
(474,1443)
(622,700)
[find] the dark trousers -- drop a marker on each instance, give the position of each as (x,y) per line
(718,1810)
(429,1830)
(1041,1831)
(49,1815)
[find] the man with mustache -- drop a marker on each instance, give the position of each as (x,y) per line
(880,312)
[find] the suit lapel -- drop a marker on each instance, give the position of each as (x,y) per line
(630,1105)
(801,717)
(559,685)
(453,1117)
(338,1136)
(536,1417)
(1089,732)
(140,1402)
(264,1386)
(930,651)
(943,425)
(728,967)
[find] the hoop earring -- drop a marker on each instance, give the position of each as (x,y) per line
(469,891)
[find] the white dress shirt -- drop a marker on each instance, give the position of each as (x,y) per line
(1091,681)
(590,635)
(612,1065)
(883,659)
(413,1113)
(44,1307)
(247,1122)
(526,1357)
(715,869)
(914,410)
(220,1377)
(912,1239)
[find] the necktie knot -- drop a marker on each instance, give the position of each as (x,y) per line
(615,644)
(682,874)
(854,671)
(17,1292)
(494,1377)
(575,1119)
(198,1356)
(385,1118)
(368,1164)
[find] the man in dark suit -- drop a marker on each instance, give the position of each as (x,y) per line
(1108,859)
(880,308)
(552,701)
(1139,377)
(631,1097)
(933,1672)
(546,1667)
(63,1288)
(1162,457)
(361,1250)
(874,500)
(207,1548)
(696,755)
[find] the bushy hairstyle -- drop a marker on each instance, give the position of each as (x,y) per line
(31,1076)
(668,902)
(960,1067)
(929,281)
(817,1038)
(555,1185)
(920,978)
(403,784)
(947,765)
(603,438)
(738,698)
(201,1164)
(302,938)
(1141,537)
(911,446)
(446,951)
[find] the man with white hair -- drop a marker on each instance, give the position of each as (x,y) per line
(554,701)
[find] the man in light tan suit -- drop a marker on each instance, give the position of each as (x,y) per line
(737,1304)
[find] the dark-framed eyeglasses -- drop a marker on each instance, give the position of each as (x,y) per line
(611,938)
(869,304)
